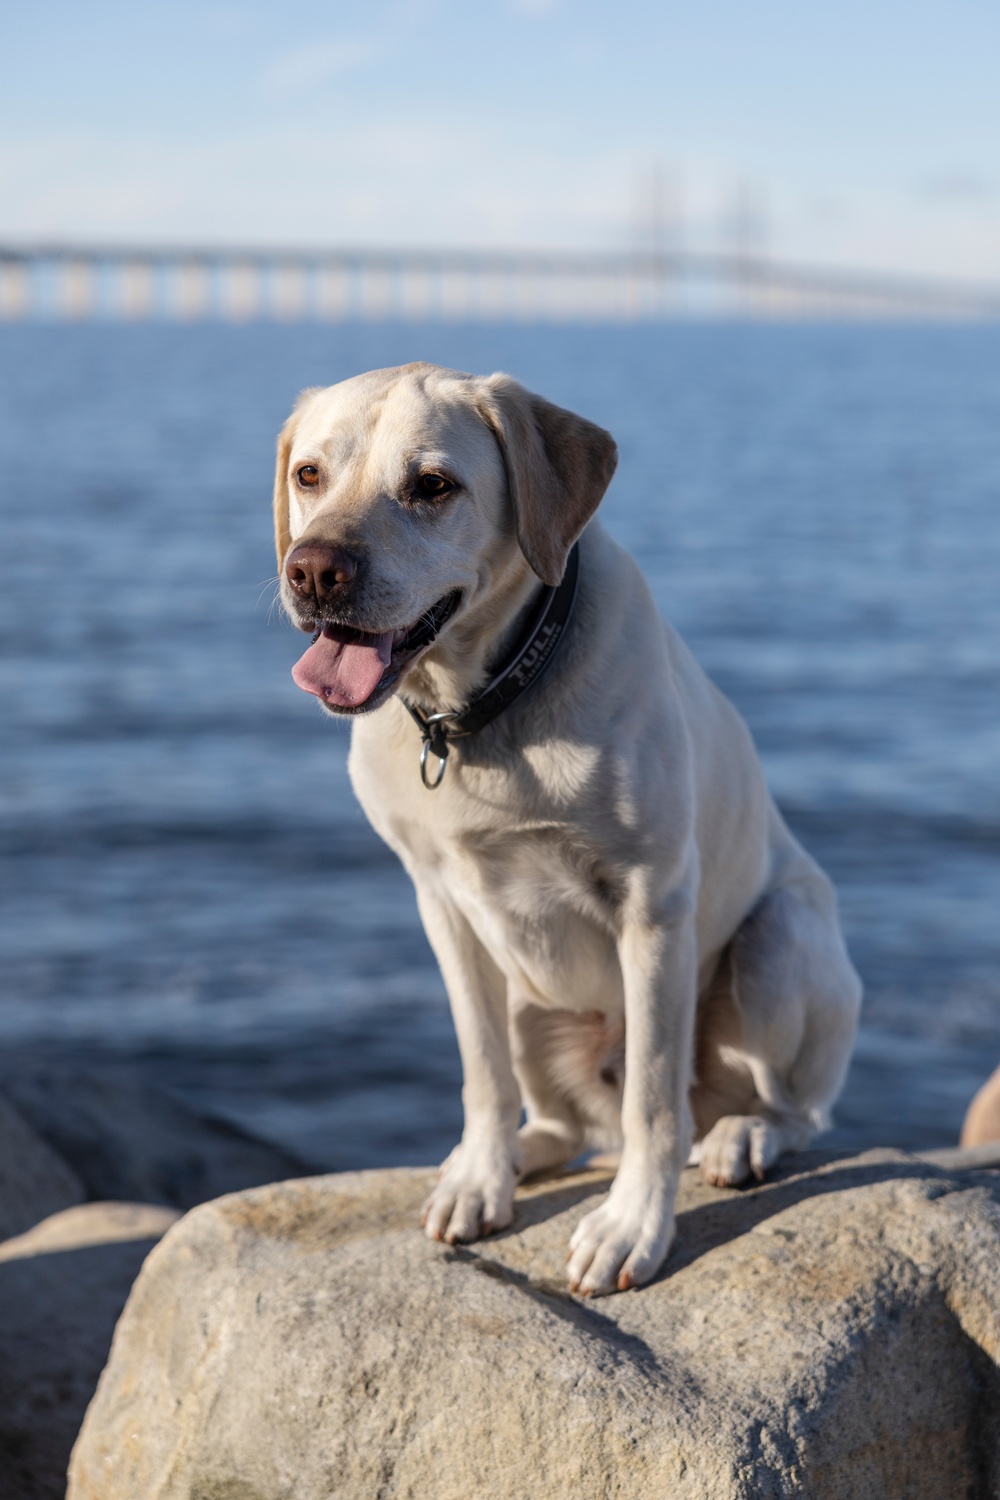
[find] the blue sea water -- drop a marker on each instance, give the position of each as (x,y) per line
(190,894)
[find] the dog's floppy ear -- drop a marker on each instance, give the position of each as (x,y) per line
(558,467)
(282,532)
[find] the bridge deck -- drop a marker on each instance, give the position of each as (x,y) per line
(199,282)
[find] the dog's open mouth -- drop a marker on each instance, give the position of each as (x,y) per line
(351,670)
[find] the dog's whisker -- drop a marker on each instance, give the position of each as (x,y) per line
(274,584)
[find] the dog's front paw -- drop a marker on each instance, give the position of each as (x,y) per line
(474,1195)
(623,1243)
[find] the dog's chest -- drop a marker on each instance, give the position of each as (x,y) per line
(535,900)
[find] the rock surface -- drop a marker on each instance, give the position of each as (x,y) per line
(136,1142)
(982,1119)
(34,1180)
(66,1266)
(62,1287)
(832,1333)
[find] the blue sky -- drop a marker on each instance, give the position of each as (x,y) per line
(861,133)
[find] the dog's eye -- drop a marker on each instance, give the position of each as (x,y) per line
(307,476)
(433,487)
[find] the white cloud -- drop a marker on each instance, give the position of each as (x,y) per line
(308,67)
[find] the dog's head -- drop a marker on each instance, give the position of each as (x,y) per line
(404,499)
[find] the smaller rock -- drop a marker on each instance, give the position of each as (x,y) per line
(62,1287)
(34,1180)
(91,1224)
(982,1121)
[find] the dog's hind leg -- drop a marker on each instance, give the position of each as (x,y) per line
(552,1132)
(797,998)
(569,1066)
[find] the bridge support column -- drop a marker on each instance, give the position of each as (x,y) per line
(136,290)
(77,289)
(333,293)
(15,291)
(240,291)
(190,291)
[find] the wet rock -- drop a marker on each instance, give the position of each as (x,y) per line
(832,1333)
(35,1181)
(62,1286)
(135,1142)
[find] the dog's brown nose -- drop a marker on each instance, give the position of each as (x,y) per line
(318,572)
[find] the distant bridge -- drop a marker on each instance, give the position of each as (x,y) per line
(122,282)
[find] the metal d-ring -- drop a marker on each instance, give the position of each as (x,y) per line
(442,756)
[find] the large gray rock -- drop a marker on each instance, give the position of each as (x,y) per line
(133,1141)
(833,1333)
(62,1286)
(34,1180)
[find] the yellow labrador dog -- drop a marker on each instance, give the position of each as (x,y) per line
(633,943)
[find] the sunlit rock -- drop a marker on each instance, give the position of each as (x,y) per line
(832,1333)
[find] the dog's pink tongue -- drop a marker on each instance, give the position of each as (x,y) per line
(343,672)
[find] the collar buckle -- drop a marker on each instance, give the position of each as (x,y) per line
(435,738)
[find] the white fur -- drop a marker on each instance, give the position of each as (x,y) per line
(603,876)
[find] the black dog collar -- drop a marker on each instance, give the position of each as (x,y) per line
(523,668)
